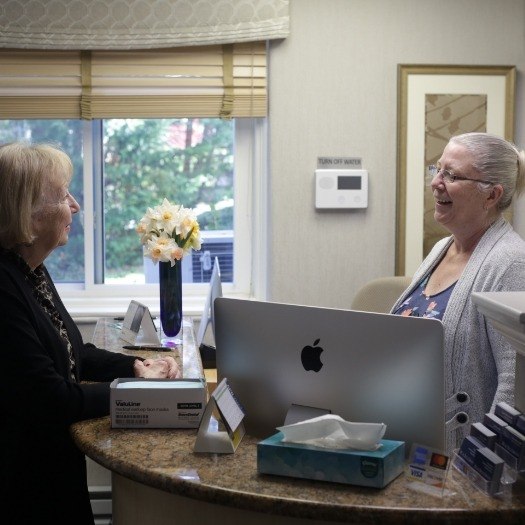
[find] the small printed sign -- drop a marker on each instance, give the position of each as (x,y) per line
(138,326)
(348,163)
(428,466)
(230,415)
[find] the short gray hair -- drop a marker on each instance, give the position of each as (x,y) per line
(498,160)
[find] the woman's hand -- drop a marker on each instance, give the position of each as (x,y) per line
(160,368)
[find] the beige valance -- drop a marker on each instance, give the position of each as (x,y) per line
(139,24)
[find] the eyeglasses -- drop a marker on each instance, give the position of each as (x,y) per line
(448,177)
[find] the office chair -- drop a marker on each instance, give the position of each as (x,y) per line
(379,295)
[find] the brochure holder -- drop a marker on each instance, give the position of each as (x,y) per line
(502,489)
(221,428)
(512,463)
(138,326)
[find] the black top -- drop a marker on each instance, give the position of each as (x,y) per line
(43,474)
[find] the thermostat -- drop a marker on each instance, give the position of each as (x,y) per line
(341,189)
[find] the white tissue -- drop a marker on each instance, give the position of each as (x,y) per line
(332,431)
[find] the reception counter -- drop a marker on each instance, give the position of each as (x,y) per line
(158,479)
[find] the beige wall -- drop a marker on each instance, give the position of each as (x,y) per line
(333,92)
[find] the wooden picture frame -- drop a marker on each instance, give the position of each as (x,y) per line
(436,102)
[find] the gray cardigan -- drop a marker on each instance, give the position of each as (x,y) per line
(479,361)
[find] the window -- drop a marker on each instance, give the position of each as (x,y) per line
(122,166)
(65,265)
(187,161)
(140,126)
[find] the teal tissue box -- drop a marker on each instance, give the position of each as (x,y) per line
(353,467)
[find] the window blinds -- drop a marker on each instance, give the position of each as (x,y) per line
(199,81)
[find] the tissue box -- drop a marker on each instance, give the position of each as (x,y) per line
(354,467)
(157,403)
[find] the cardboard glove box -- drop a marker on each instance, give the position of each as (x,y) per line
(157,403)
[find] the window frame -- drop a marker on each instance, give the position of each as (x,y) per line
(91,300)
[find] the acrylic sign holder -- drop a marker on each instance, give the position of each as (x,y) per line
(138,326)
(427,470)
(221,428)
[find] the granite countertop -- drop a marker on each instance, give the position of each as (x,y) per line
(107,335)
(164,459)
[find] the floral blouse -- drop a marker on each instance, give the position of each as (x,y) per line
(42,293)
(418,304)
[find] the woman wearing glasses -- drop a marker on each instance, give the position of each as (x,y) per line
(475,179)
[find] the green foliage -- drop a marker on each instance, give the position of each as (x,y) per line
(188,161)
(65,265)
(149,160)
(217,219)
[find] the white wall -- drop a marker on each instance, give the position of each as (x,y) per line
(333,92)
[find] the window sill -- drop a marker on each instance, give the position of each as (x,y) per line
(89,309)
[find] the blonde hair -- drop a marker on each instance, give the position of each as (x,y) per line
(28,175)
(498,160)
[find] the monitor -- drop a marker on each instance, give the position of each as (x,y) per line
(362,366)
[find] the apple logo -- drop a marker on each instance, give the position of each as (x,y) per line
(310,357)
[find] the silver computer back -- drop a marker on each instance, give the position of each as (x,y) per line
(375,367)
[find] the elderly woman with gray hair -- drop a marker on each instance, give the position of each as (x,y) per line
(51,377)
(476,178)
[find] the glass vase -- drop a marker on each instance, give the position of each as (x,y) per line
(170,290)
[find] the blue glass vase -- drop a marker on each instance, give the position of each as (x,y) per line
(170,288)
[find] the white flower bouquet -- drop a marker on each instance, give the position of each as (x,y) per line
(168,232)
